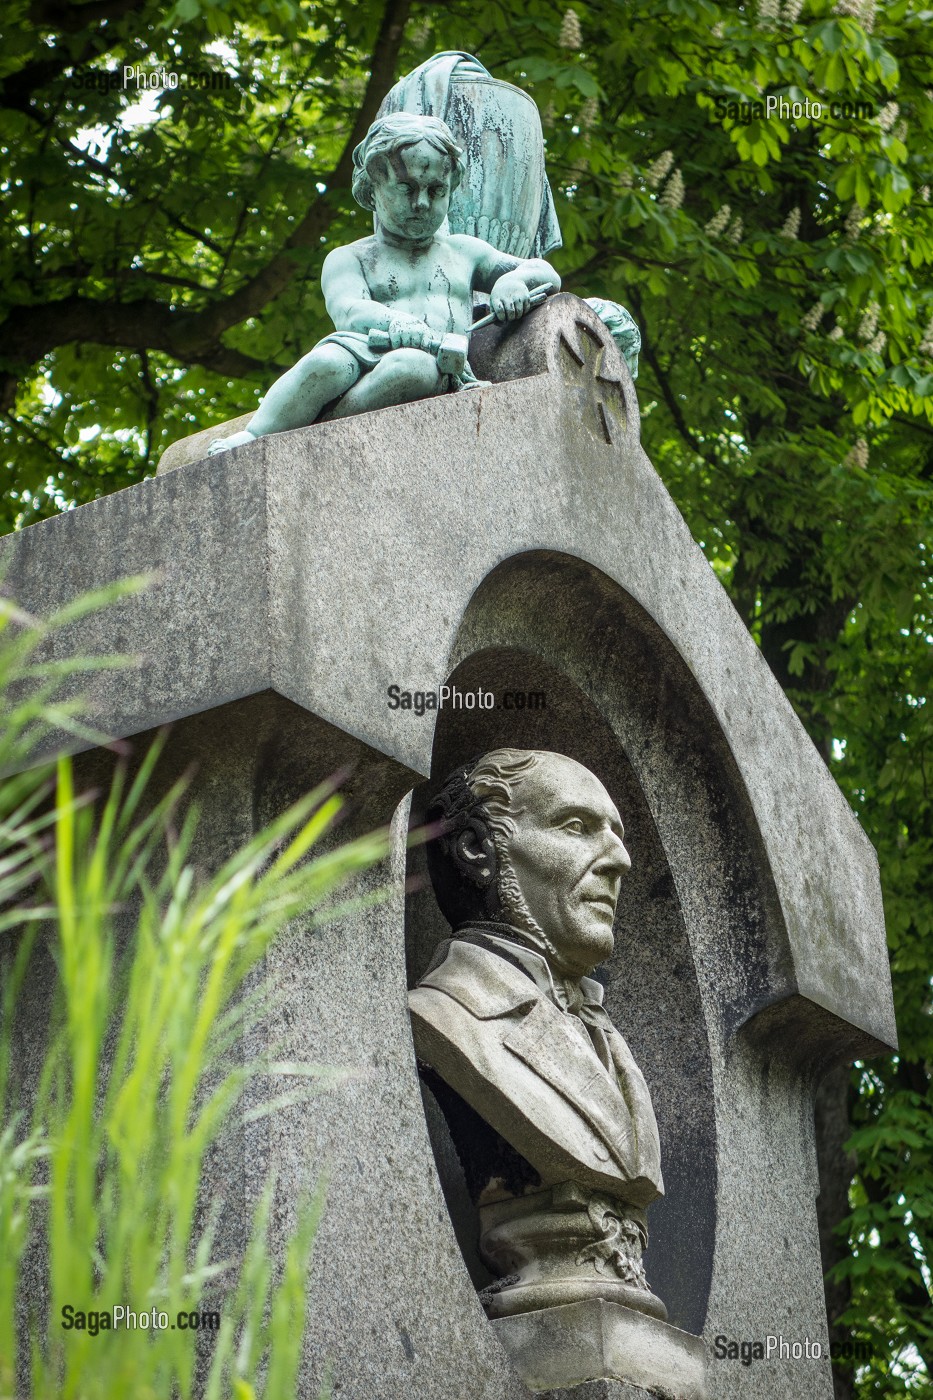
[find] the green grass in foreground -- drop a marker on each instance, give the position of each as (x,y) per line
(107,1159)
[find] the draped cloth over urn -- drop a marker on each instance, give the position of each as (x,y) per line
(548,1111)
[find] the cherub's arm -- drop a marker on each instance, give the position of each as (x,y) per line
(510,281)
(347,297)
(351,306)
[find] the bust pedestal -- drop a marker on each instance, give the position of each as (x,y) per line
(594,1339)
(572,1302)
(564,1245)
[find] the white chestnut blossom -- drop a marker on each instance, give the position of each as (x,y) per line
(813,317)
(869,322)
(571,35)
(926,344)
(858,457)
(791,225)
(854,220)
(659,168)
(888,115)
(588,113)
(718,222)
(672,196)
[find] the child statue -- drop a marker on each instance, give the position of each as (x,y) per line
(411,281)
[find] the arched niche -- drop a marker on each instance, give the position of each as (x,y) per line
(698,933)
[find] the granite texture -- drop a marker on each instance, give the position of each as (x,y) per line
(604,1390)
(578,1341)
(453,497)
(515,538)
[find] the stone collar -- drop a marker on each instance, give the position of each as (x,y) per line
(583,998)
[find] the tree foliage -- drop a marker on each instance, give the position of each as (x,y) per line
(162,265)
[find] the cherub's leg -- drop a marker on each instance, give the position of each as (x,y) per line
(400,376)
(296,399)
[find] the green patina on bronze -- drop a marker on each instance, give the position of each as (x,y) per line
(401,300)
(504,197)
(453,171)
(622,327)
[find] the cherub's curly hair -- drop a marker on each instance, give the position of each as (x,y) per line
(394,133)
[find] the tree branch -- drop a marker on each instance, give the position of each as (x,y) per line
(580,274)
(17,89)
(281,128)
(100,167)
(193,337)
(267,284)
(53,454)
(133,325)
(667,393)
(53,14)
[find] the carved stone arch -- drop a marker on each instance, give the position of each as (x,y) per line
(602,683)
(588,627)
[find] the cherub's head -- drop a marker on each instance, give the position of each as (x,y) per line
(405,170)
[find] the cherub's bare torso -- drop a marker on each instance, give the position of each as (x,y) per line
(433,283)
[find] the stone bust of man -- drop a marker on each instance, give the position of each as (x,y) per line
(527,870)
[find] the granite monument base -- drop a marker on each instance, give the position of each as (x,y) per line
(518,539)
(578,1342)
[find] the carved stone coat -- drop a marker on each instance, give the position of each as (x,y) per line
(561,1088)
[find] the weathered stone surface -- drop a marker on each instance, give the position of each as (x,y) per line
(385,1253)
(327,565)
(574,1343)
(603,1390)
(518,538)
(194,448)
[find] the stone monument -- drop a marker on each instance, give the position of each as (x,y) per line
(512,542)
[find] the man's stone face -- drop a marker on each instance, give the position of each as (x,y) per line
(568,859)
(411,191)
